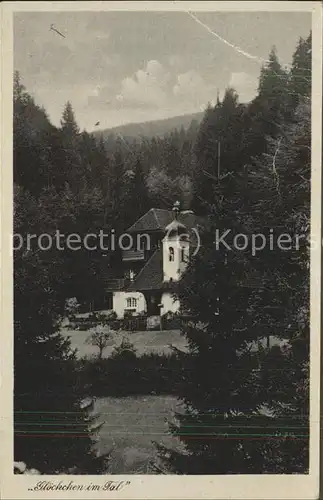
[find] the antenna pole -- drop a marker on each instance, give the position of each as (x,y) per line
(219,159)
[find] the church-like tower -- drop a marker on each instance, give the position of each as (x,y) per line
(175,248)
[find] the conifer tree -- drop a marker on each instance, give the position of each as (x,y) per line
(218,148)
(68,122)
(300,74)
(70,151)
(54,428)
(114,202)
(32,161)
(137,200)
(221,406)
(281,179)
(273,78)
(269,109)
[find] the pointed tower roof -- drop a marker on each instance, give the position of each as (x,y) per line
(175,227)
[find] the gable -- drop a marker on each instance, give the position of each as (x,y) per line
(151,275)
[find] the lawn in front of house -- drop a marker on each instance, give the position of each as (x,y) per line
(144,342)
(130,426)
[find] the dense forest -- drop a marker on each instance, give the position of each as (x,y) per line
(68,179)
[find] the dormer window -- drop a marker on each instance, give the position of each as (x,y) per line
(171,254)
(131,302)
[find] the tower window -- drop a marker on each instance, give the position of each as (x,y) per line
(171,254)
(183,255)
(217,309)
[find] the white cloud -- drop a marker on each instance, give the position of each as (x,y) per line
(175,60)
(145,87)
(155,86)
(192,88)
(101,95)
(244,84)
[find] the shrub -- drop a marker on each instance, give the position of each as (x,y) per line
(125,373)
(124,351)
(102,319)
(111,316)
(93,316)
(99,338)
(71,307)
(21,468)
(171,320)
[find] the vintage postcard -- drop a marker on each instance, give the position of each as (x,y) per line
(161,249)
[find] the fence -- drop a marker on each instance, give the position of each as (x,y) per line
(129,324)
(133,324)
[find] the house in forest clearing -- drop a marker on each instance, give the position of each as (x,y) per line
(163,242)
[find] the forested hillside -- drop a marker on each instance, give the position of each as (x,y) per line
(155,128)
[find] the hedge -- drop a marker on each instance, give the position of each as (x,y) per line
(125,374)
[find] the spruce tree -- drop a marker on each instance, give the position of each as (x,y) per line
(68,122)
(54,428)
(137,200)
(69,152)
(218,148)
(273,78)
(300,74)
(281,179)
(269,109)
(221,406)
(32,160)
(114,202)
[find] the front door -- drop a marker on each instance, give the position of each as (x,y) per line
(153,303)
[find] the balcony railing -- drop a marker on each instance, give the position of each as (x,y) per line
(114,284)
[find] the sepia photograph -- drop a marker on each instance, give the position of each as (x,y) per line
(163,245)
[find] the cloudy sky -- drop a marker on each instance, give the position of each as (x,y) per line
(122,67)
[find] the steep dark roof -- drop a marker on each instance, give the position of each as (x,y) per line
(151,275)
(154,219)
(157,219)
